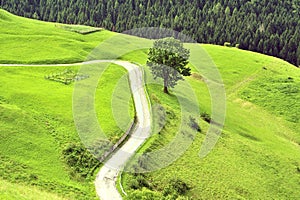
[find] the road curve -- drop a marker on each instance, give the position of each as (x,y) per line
(105,182)
(106,179)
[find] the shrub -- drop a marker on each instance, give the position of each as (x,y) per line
(206,117)
(80,160)
(176,187)
(133,184)
(138,182)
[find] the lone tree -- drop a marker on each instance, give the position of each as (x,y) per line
(167,59)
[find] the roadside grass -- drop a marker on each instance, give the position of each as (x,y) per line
(257,155)
(114,103)
(36,124)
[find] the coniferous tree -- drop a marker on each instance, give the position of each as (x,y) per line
(264,26)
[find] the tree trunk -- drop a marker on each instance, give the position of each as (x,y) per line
(166,90)
(166,83)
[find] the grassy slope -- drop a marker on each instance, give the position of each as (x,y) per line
(36,119)
(36,122)
(113,98)
(32,41)
(258,153)
(11,191)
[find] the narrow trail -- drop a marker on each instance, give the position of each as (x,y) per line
(105,182)
(106,179)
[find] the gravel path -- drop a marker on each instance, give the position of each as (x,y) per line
(106,179)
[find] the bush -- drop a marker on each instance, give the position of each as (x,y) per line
(176,187)
(227,44)
(206,117)
(138,182)
(237,46)
(80,160)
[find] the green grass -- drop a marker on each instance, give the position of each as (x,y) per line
(113,98)
(32,41)
(10,191)
(37,123)
(276,91)
(36,114)
(257,156)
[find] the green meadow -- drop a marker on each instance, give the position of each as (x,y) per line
(32,41)
(11,191)
(256,157)
(37,125)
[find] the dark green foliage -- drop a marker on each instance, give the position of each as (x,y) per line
(205,116)
(80,160)
(270,27)
(140,188)
(138,182)
(176,187)
(167,59)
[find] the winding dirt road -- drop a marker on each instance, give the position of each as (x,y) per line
(106,179)
(105,182)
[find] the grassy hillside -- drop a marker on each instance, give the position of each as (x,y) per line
(32,41)
(257,156)
(37,125)
(11,191)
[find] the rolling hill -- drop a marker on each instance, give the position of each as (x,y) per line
(256,157)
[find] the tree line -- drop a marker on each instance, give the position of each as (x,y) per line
(268,26)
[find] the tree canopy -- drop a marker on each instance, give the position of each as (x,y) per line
(167,59)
